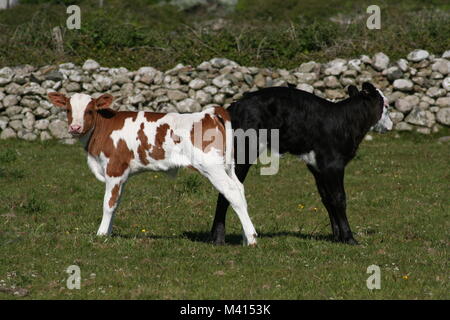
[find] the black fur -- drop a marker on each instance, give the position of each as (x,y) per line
(308,123)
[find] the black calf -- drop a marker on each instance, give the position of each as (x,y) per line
(324,134)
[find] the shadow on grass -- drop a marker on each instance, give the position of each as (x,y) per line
(144,236)
(236,239)
(230,239)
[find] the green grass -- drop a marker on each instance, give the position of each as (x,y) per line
(398,207)
(257,33)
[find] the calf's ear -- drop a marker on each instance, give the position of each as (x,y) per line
(58,99)
(352,91)
(104,101)
(368,88)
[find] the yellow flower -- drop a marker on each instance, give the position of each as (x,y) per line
(301,206)
(405,277)
(143,230)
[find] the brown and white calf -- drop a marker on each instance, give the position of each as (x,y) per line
(120,144)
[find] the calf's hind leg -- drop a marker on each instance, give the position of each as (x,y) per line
(323,195)
(232,193)
(218,227)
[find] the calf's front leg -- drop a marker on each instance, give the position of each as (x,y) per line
(111,199)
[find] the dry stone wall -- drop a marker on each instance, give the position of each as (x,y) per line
(418,88)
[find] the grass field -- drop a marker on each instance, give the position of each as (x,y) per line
(263,33)
(398,206)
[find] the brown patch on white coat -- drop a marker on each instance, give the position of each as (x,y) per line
(120,144)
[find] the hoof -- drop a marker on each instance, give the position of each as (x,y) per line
(250,241)
(218,242)
(351,241)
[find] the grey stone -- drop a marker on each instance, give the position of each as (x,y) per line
(443,102)
(446,54)
(221,81)
(10,100)
(435,109)
(446,84)
(396,117)
(29,136)
(436,75)
(403,84)
(176,95)
(6,75)
(90,65)
(308,78)
(305,87)
(11,111)
(336,67)
(73,87)
(348,81)
(67,66)
(136,99)
(148,75)
(14,88)
(421,117)
(423,130)
(365,76)
(260,80)
(197,84)
(443,116)
(417,55)
(211,90)
(34,89)
(121,79)
(41,124)
(41,112)
(16,124)
(365,59)
(44,135)
(8,133)
(403,126)
(403,65)
(3,123)
(59,129)
(102,83)
(407,103)
(393,73)
(435,92)
(76,77)
(442,66)
(29,120)
(423,105)
(331,82)
(219,98)
(222,62)
(54,75)
(202,97)
(188,105)
(380,61)
(204,66)
(307,67)
(355,64)
(334,94)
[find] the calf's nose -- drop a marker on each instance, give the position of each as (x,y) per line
(74,128)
